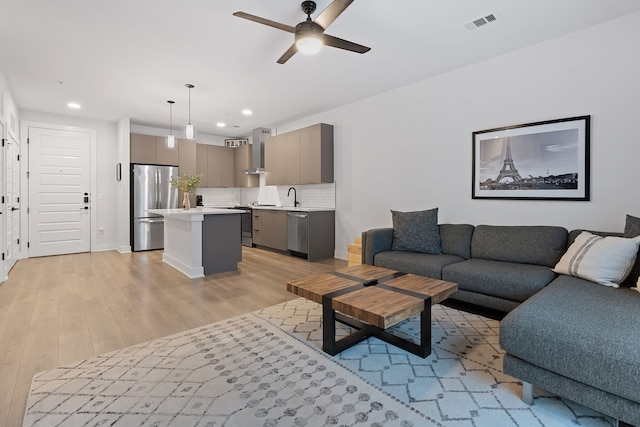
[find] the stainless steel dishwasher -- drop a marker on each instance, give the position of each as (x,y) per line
(297,235)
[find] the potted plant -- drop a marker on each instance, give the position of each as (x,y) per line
(188,184)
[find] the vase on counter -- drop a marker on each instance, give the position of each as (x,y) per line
(188,184)
(186,203)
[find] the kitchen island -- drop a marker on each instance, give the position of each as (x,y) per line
(201,241)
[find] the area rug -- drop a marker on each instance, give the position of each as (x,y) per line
(266,369)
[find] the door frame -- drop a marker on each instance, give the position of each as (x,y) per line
(24,148)
(3,218)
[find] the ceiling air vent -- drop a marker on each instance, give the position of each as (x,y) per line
(480,22)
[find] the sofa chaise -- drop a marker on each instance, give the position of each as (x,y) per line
(568,335)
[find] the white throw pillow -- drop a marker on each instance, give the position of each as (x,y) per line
(604,260)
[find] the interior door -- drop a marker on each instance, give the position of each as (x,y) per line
(3,212)
(59,186)
(12,202)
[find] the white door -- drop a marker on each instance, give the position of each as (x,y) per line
(12,202)
(59,185)
(3,209)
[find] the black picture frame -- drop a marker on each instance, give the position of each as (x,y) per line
(534,161)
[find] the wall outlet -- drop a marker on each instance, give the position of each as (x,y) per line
(100,230)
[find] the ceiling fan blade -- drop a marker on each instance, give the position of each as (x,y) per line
(332,12)
(288,54)
(264,21)
(344,44)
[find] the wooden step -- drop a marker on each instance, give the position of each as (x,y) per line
(354,252)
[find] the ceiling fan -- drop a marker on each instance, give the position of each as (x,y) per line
(309,34)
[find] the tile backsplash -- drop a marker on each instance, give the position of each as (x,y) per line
(313,196)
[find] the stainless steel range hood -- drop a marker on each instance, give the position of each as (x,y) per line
(258,136)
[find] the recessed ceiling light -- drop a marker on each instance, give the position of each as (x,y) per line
(73,105)
(247,112)
(221,124)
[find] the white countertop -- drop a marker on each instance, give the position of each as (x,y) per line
(277,208)
(195,211)
(291,208)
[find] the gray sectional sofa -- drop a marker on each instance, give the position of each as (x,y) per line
(570,336)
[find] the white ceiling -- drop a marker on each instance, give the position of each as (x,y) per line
(126,58)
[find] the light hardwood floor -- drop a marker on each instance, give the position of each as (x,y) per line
(61,309)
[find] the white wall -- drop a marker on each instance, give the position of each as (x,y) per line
(123,186)
(201,138)
(411,148)
(8,109)
(107,147)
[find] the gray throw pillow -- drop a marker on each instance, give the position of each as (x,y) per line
(416,231)
(632,227)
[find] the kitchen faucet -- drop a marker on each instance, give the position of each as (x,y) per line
(295,196)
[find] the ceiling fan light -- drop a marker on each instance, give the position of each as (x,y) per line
(309,45)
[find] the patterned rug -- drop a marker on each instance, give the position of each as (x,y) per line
(266,369)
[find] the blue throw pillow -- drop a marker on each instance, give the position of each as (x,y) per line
(416,231)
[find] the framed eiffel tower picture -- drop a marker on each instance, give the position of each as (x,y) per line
(534,161)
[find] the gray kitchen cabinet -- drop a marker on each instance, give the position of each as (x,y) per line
(213,166)
(143,149)
(292,162)
(311,234)
(202,163)
(316,154)
(270,228)
(275,158)
(217,165)
(152,150)
(227,167)
(303,156)
(242,159)
(166,155)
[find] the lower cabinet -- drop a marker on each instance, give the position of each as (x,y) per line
(307,234)
(270,228)
(321,233)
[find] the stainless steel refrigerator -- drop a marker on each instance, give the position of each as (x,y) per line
(150,189)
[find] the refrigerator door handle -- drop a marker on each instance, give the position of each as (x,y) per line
(157,176)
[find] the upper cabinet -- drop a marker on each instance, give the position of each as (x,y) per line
(202,163)
(303,156)
(316,154)
(143,149)
(221,167)
(148,149)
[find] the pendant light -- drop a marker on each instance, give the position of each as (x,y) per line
(171,140)
(189,129)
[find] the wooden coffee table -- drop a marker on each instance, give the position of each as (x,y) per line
(371,299)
